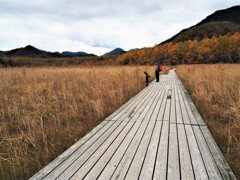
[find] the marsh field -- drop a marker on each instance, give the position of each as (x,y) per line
(44,110)
(215,90)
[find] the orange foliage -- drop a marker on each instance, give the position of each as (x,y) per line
(209,50)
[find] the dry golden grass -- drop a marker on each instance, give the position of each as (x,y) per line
(45,110)
(216,92)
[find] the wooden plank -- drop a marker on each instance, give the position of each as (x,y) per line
(167,111)
(149,163)
(162,154)
(95,151)
(125,162)
(173,171)
(93,166)
(179,118)
(134,110)
(163,106)
(222,164)
(185,157)
(197,161)
(95,133)
(116,158)
(131,109)
(146,115)
(193,107)
(141,94)
(137,162)
(188,108)
(211,167)
(146,111)
(93,143)
(185,117)
(158,106)
(173,106)
(166,116)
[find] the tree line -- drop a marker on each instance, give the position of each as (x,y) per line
(224,49)
(221,49)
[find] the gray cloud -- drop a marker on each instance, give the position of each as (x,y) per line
(98,26)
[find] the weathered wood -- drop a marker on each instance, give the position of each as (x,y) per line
(179,118)
(149,163)
(93,143)
(136,164)
(197,161)
(211,167)
(160,170)
(93,153)
(193,107)
(114,161)
(163,106)
(126,160)
(158,134)
(173,105)
(94,134)
(131,101)
(192,118)
(185,117)
(173,171)
(130,110)
(185,158)
(222,164)
(158,106)
(102,155)
(146,112)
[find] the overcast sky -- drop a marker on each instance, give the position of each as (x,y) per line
(98,26)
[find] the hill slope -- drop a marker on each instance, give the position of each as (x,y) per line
(219,23)
(31,52)
(116,52)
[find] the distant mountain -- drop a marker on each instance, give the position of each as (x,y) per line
(116,51)
(3,52)
(80,53)
(31,52)
(219,23)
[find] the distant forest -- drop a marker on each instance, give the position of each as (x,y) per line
(222,49)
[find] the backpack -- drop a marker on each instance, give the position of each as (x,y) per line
(160,67)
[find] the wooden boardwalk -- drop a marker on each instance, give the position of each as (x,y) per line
(158,134)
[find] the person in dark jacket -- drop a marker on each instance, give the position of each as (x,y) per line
(157,71)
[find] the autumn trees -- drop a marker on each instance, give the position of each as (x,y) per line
(224,49)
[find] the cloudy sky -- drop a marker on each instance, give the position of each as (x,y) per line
(98,26)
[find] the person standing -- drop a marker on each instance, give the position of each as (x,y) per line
(157,70)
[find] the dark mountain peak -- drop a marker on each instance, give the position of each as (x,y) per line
(116,51)
(30,51)
(30,47)
(221,22)
(231,14)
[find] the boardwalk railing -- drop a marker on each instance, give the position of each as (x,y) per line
(158,134)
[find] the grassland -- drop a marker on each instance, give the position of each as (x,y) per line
(45,110)
(216,92)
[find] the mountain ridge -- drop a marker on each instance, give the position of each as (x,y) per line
(116,51)
(31,51)
(221,22)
